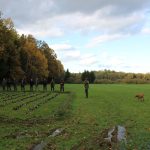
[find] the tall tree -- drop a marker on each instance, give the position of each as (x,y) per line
(67,75)
(55,67)
(92,77)
(25,56)
(33,60)
(9,53)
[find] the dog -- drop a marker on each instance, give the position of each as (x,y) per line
(140,96)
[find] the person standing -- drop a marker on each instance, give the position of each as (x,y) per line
(23,85)
(36,84)
(15,84)
(86,86)
(31,85)
(44,85)
(52,85)
(4,82)
(62,86)
(8,84)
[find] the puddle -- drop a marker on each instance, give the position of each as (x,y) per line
(121,135)
(117,134)
(110,138)
(57,132)
(40,146)
(110,135)
(43,144)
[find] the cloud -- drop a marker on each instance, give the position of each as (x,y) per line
(59,26)
(88,6)
(54,18)
(62,47)
(76,60)
(71,54)
(103,38)
(27,11)
(40,32)
(120,63)
(88,60)
(145,31)
(67,52)
(111,60)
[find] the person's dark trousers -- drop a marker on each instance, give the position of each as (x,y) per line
(86,93)
(62,89)
(52,88)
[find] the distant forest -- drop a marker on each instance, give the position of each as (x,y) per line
(23,56)
(109,77)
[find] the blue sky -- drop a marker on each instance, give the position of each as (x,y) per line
(88,34)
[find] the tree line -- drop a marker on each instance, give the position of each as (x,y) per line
(23,56)
(79,77)
(108,77)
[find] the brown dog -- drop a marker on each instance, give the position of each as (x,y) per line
(140,96)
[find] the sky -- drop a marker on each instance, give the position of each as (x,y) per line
(88,34)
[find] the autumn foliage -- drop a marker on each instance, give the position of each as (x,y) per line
(24,56)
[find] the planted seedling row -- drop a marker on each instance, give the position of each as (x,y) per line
(16,101)
(10,99)
(28,102)
(31,109)
(7,96)
(13,97)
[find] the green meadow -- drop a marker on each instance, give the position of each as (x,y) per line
(28,120)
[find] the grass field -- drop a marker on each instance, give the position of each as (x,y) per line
(30,118)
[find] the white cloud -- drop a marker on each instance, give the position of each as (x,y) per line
(46,20)
(145,31)
(61,47)
(108,61)
(44,28)
(73,54)
(108,27)
(120,63)
(41,33)
(103,38)
(88,60)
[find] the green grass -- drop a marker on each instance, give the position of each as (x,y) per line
(82,119)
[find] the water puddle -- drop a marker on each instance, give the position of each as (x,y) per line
(121,136)
(43,144)
(117,134)
(110,135)
(40,146)
(110,138)
(57,132)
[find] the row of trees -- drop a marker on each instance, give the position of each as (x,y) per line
(107,76)
(24,56)
(79,77)
(89,75)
